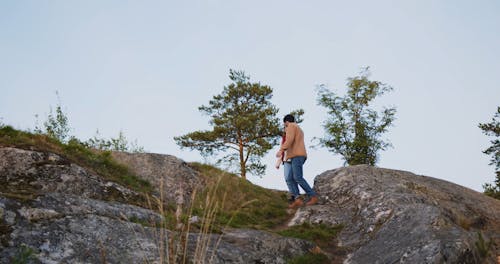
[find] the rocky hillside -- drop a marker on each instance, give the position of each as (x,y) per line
(55,211)
(395,216)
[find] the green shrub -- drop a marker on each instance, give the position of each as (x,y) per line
(483,246)
(114,144)
(315,233)
(492,190)
(8,131)
(24,255)
(310,258)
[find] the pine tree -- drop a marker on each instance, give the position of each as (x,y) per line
(493,129)
(245,125)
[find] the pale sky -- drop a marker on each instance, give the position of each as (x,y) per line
(144,67)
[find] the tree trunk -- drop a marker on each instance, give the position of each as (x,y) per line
(243,168)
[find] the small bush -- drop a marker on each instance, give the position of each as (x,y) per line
(114,144)
(492,190)
(57,124)
(25,255)
(310,258)
(8,132)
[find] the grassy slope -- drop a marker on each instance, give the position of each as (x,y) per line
(99,162)
(240,203)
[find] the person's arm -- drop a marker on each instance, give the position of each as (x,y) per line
(278,163)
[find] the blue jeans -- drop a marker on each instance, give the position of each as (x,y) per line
(293,187)
(297,173)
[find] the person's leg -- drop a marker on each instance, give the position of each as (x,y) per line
(293,187)
(297,171)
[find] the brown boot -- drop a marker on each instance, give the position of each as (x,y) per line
(313,200)
(297,203)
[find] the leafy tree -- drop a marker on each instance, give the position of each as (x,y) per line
(56,125)
(352,129)
(244,123)
(493,129)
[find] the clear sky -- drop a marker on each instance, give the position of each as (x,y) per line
(144,67)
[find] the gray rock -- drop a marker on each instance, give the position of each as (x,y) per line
(177,178)
(394,216)
(61,213)
(64,213)
(87,231)
(194,219)
(252,246)
(27,174)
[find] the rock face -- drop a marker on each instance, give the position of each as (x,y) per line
(177,178)
(252,246)
(394,216)
(54,211)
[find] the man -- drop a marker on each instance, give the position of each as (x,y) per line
(296,152)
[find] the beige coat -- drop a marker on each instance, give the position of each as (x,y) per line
(294,143)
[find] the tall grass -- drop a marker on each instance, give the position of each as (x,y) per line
(266,210)
(224,201)
(174,234)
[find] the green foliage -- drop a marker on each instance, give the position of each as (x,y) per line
(9,131)
(114,144)
(492,129)
(316,233)
(139,221)
(321,234)
(483,247)
(353,130)
(99,161)
(492,190)
(57,124)
(244,123)
(25,255)
(310,258)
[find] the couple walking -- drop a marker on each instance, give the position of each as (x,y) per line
(292,155)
